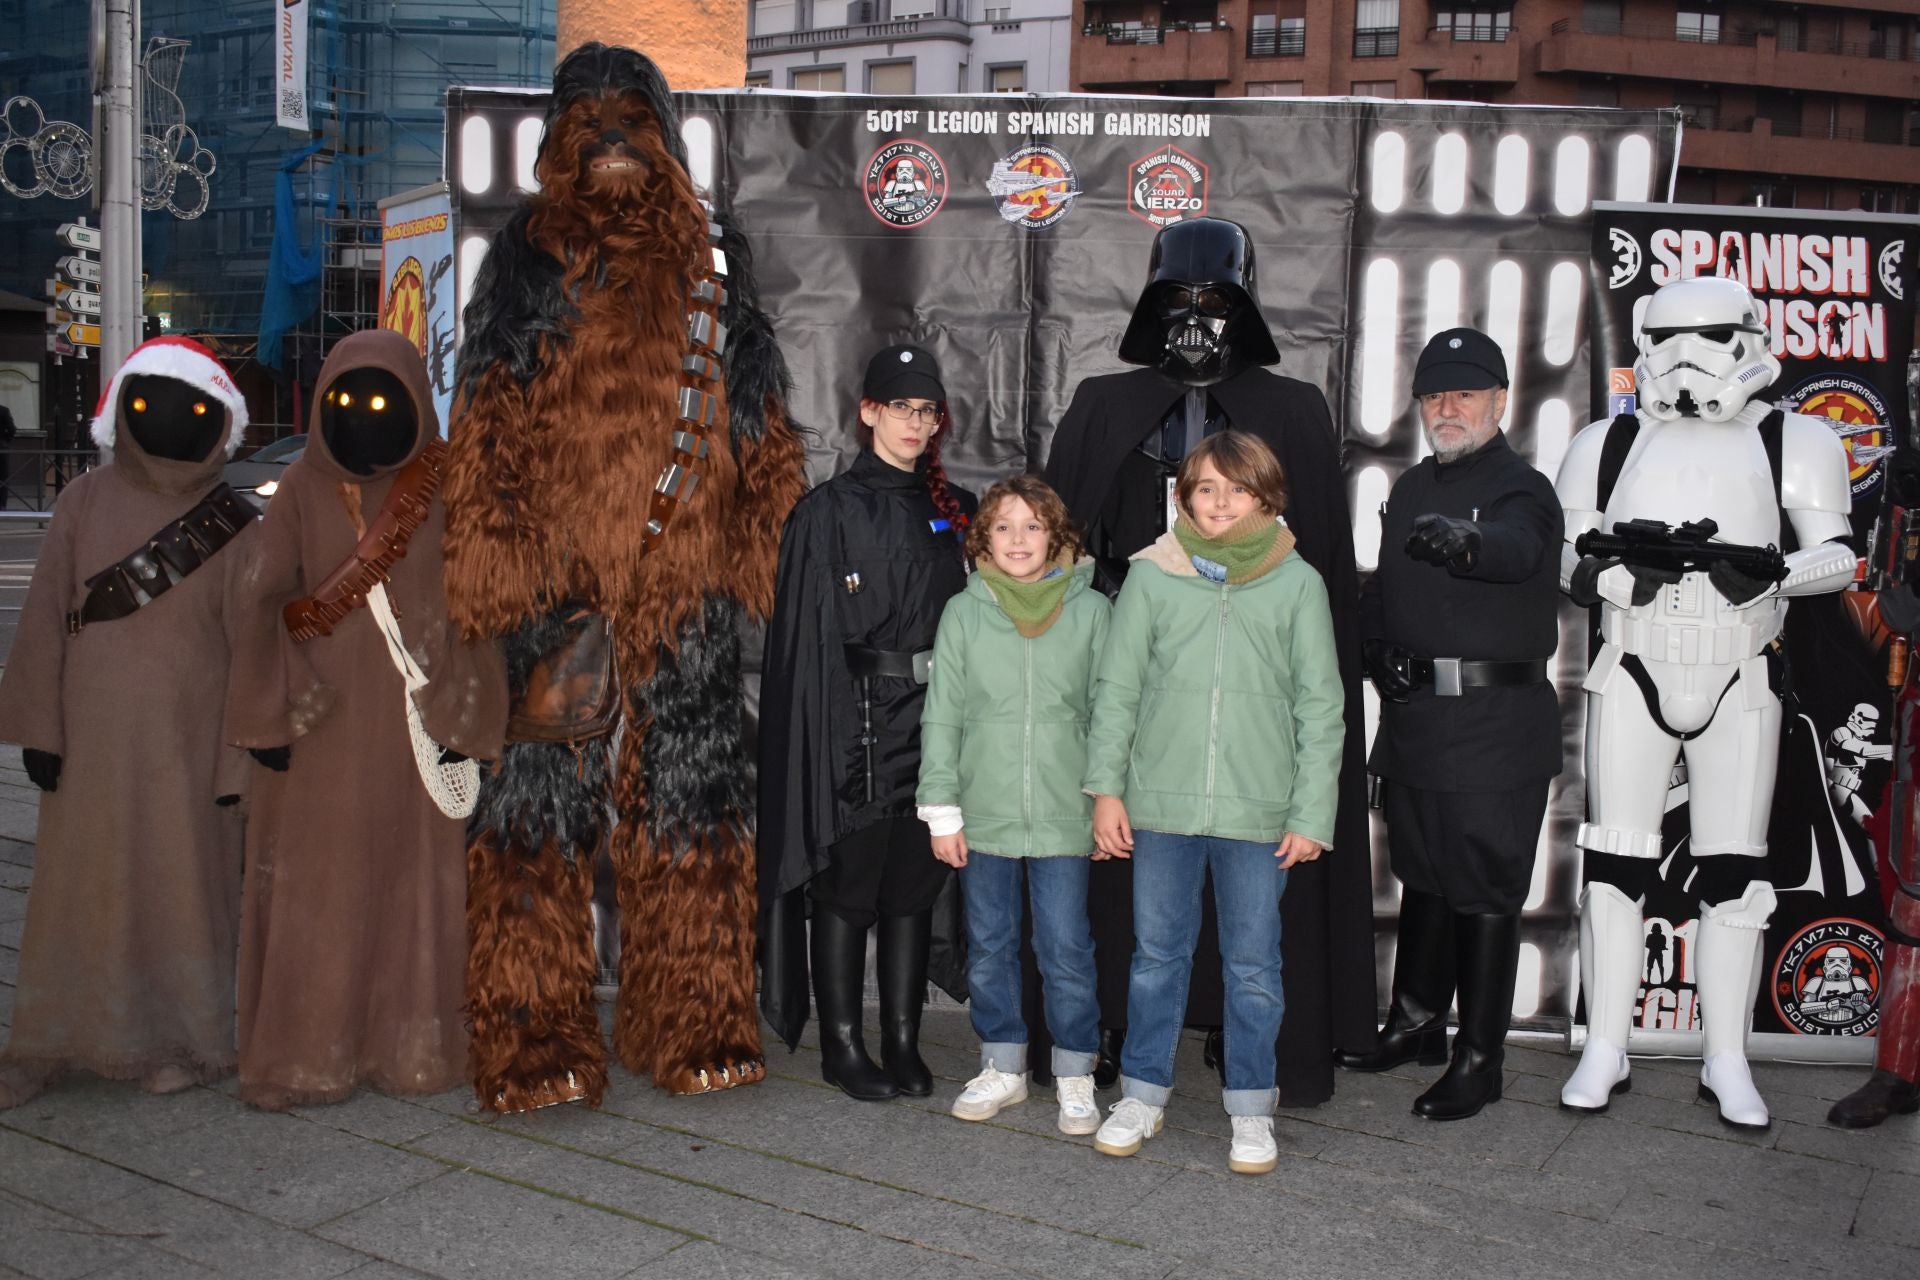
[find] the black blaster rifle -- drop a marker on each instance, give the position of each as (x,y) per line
(1652,544)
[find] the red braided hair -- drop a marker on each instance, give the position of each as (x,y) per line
(938,487)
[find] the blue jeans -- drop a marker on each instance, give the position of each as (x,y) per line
(1168,871)
(1062,943)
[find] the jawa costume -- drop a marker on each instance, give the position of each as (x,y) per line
(116,688)
(621,464)
(353,943)
(1198,329)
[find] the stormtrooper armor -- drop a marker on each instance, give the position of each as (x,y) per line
(1685,666)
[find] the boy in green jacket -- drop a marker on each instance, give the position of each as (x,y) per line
(1215,745)
(1003,746)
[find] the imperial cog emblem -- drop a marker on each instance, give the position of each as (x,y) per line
(1890,257)
(1626,258)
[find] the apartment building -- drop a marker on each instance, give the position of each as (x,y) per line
(910,46)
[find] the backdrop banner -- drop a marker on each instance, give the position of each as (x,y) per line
(1009,235)
(1837,290)
(416,281)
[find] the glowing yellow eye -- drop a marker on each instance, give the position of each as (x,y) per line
(139,404)
(377,403)
(345,400)
(199,408)
(332,397)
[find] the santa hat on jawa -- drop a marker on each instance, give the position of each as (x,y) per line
(183,360)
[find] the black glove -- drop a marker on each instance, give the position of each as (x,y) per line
(1443,540)
(226,802)
(274,758)
(1386,666)
(1649,582)
(449,756)
(1736,586)
(43,767)
(1903,477)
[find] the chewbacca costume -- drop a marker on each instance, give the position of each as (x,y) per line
(126,965)
(567,490)
(353,940)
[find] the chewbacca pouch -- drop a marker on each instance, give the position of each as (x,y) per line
(572,694)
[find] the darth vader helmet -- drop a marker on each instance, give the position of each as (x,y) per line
(1198,319)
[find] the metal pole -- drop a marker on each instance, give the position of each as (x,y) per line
(119,195)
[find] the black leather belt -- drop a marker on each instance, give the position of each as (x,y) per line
(900,664)
(1450,676)
(169,556)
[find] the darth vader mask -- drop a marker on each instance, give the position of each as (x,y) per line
(172,419)
(1198,319)
(368,420)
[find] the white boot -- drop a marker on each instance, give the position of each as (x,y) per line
(1612,944)
(1727,968)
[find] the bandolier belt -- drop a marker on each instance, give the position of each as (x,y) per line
(384,542)
(170,555)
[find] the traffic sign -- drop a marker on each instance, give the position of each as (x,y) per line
(80,236)
(80,270)
(84,301)
(83,335)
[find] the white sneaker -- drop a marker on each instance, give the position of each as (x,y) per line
(1078,1111)
(1253,1149)
(1131,1123)
(988,1092)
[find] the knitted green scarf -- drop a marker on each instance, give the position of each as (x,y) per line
(1247,549)
(1033,606)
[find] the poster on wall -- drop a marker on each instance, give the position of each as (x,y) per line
(416,282)
(290,64)
(1010,235)
(1837,294)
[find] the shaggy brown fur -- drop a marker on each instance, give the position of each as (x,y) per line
(551,471)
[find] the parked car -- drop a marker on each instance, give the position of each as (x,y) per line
(257,475)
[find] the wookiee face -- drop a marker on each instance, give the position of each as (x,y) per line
(616,143)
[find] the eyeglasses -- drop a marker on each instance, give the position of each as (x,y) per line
(900,411)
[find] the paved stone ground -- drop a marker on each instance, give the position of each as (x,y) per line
(791,1179)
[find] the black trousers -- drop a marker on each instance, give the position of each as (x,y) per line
(887,869)
(1473,848)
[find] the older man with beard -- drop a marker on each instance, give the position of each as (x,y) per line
(1458,624)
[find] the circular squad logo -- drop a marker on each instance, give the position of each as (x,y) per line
(406,309)
(1827,979)
(1035,185)
(1857,414)
(1167,187)
(906,183)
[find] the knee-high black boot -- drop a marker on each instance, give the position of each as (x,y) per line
(1423,964)
(839,955)
(1487,953)
(904,941)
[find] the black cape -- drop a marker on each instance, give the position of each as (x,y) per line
(1327,914)
(870,527)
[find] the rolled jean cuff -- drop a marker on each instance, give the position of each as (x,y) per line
(1007,1057)
(1070,1062)
(1250,1102)
(1154,1095)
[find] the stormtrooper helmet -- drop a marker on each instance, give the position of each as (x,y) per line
(1703,350)
(1864,720)
(1199,318)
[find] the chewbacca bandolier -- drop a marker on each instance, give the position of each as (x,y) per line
(619,449)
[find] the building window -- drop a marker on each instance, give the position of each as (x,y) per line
(1011,79)
(1271,37)
(1597,93)
(820,79)
(1696,26)
(910,9)
(1374,89)
(1276,88)
(1695,186)
(1774,195)
(1376,29)
(1699,108)
(1001,13)
(1600,17)
(890,77)
(1475,23)
(759,79)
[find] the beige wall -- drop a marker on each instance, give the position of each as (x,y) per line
(699,44)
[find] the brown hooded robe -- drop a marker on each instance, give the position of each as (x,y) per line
(353,938)
(126,965)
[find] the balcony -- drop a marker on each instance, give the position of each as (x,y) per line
(1759,145)
(1654,51)
(901,29)
(1191,53)
(1286,42)
(1444,57)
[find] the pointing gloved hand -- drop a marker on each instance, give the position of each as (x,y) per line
(1736,586)
(43,767)
(274,758)
(1442,540)
(1386,666)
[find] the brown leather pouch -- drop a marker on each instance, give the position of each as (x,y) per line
(572,693)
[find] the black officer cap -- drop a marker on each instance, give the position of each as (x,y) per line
(1459,360)
(903,372)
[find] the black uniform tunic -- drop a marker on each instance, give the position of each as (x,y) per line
(1468,775)
(861,562)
